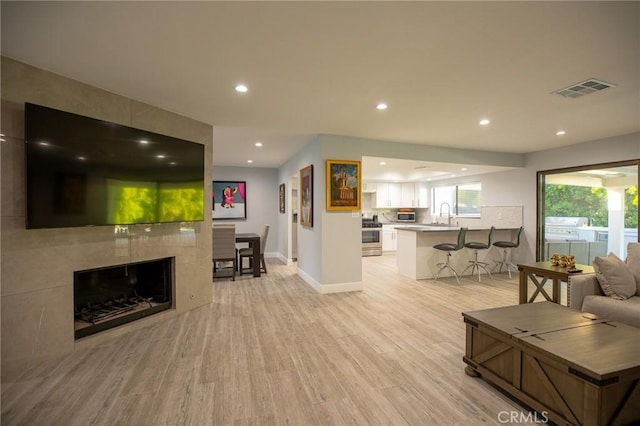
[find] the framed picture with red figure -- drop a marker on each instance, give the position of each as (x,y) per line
(229,200)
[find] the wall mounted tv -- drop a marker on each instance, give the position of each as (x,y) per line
(86,172)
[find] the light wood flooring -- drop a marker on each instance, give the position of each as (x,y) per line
(272,351)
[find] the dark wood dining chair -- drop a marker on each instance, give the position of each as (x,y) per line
(247,252)
(224,247)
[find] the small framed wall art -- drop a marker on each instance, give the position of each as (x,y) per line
(343,185)
(281,198)
(306,196)
(229,200)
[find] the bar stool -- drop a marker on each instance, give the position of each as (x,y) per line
(475,264)
(506,252)
(449,247)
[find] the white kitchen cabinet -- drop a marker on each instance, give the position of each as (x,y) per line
(389,238)
(401,195)
(368,187)
(395,194)
(422,195)
(388,195)
(382,195)
(408,195)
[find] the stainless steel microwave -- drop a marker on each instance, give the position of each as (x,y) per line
(406,217)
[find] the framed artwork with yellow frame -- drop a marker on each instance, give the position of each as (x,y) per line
(344,186)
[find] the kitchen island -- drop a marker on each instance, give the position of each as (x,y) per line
(416,258)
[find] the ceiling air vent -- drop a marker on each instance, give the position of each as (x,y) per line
(584,88)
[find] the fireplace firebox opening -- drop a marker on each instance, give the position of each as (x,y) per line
(111,296)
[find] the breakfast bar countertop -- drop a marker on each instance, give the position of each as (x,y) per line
(431,228)
(417,259)
(428,228)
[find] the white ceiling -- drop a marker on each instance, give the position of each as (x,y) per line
(376,169)
(321,67)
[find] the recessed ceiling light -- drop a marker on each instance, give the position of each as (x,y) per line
(144,142)
(484,122)
(249,161)
(258,144)
(160,156)
(172,163)
(561,132)
(381,106)
(81,158)
(43,143)
(383,163)
(242,88)
(464,169)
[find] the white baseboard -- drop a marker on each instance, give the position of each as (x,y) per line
(320,288)
(330,288)
(280,257)
(341,287)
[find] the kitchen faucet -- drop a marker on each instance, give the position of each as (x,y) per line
(448,212)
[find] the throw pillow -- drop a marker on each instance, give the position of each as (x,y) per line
(633,262)
(614,277)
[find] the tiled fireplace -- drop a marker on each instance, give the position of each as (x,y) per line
(39,265)
(111,296)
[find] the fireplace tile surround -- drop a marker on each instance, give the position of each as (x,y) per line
(118,294)
(38,265)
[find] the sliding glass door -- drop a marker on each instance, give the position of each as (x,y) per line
(588,211)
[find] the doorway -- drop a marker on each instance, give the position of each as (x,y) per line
(588,211)
(292,220)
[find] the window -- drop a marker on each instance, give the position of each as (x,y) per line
(460,200)
(588,211)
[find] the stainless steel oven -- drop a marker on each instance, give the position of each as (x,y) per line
(371,238)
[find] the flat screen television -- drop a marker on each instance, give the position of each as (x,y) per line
(86,172)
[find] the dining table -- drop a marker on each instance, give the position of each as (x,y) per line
(254,243)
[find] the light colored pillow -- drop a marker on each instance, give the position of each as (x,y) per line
(614,277)
(633,262)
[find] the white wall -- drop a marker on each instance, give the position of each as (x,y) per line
(518,187)
(618,148)
(329,255)
(309,238)
(262,201)
(327,251)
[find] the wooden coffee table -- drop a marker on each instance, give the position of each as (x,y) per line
(574,367)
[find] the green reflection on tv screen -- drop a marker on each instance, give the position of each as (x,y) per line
(178,202)
(152,202)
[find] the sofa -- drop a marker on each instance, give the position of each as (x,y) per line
(609,292)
